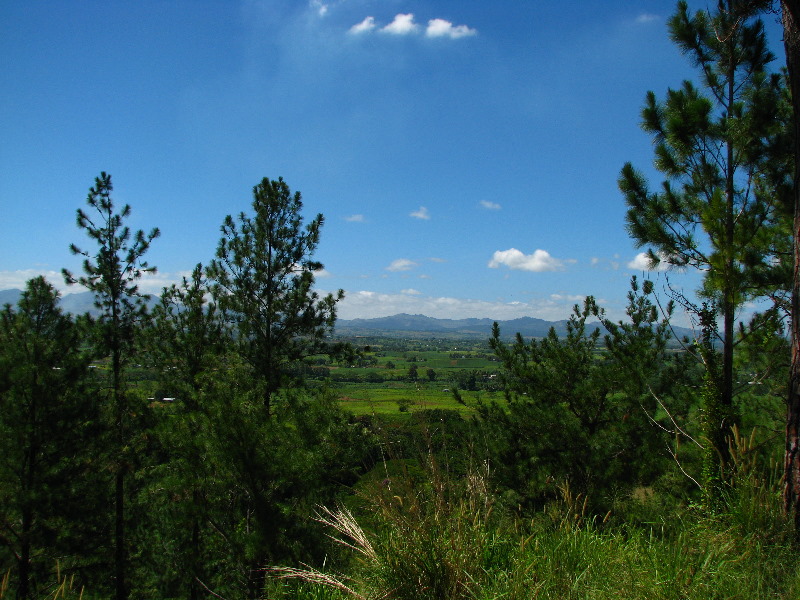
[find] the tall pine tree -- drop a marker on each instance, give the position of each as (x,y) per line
(47,418)
(112,272)
(263,278)
(721,148)
(791,494)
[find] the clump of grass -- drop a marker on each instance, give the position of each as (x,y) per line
(64,587)
(433,539)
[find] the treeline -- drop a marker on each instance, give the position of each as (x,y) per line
(135,496)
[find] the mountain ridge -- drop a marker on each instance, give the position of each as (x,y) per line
(400,324)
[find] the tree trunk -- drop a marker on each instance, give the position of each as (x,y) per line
(119,535)
(23,589)
(120,554)
(791,492)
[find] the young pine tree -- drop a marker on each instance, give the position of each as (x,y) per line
(722,150)
(112,272)
(186,343)
(47,419)
(263,279)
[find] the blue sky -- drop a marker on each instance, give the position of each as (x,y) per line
(465,154)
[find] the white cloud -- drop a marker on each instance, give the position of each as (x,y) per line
(401,264)
(537,262)
(403,24)
(10,280)
(421,213)
(355,219)
(150,283)
(442,28)
(574,298)
(641,262)
(647,18)
(490,205)
(365,26)
(410,292)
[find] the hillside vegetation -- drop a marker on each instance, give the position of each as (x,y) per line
(224,440)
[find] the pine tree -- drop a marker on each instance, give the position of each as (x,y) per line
(722,149)
(112,273)
(46,416)
(791,494)
(186,342)
(263,279)
(575,408)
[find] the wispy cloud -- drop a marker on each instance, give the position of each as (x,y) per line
(537,262)
(410,292)
(320,7)
(442,28)
(605,263)
(490,205)
(647,18)
(17,279)
(355,219)
(567,298)
(421,213)
(365,26)
(401,264)
(403,24)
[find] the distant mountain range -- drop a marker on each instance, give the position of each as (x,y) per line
(404,324)
(397,325)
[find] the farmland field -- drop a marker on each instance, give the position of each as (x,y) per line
(396,376)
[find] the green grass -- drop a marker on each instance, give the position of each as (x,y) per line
(426,536)
(385,398)
(424,550)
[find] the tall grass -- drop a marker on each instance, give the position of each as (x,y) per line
(430,540)
(64,588)
(437,539)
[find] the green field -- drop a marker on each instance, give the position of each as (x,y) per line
(381,382)
(365,399)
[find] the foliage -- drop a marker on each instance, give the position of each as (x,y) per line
(423,541)
(263,276)
(112,273)
(433,539)
(45,408)
(725,205)
(269,471)
(184,343)
(577,412)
